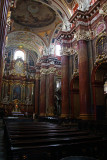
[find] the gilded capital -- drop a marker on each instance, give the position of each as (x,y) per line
(83,35)
(37,76)
(43,71)
(51,70)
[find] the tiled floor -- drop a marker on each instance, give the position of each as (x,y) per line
(2,143)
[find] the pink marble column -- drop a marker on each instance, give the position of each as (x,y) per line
(65,86)
(37,94)
(51,94)
(84,86)
(42,94)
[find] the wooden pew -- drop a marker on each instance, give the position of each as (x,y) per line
(46,135)
(47,141)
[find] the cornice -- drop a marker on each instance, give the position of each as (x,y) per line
(81,18)
(87,15)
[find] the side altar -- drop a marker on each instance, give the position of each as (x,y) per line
(18,88)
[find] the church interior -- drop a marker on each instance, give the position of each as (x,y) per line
(53,79)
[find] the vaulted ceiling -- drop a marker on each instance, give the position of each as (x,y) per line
(36,23)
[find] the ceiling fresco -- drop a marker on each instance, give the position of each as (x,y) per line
(26,40)
(33,14)
(35,24)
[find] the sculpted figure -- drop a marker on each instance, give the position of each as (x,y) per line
(84,4)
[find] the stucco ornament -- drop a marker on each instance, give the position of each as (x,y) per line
(83,35)
(103,10)
(66,25)
(83,4)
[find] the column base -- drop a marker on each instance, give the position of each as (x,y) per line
(87,116)
(65,116)
(42,114)
(50,114)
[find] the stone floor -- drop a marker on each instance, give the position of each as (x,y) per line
(2,143)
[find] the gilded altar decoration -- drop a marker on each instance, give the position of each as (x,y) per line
(18,81)
(17,92)
(19,67)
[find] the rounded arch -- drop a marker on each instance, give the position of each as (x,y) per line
(26,39)
(98,79)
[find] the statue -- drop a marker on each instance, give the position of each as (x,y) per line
(84,4)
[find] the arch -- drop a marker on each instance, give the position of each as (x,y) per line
(98,81)
(26,39)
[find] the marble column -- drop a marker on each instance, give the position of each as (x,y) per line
(105,19)
(65,85)
(43,92)
(51,71)
(84,84)
(37,93)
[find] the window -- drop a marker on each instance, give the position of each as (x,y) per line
(58,84)
(19,54)
(58,50)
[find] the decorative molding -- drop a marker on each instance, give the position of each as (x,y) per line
(100,28)
(83,35)
(101,59)
(103,10)
(72,51)
(68,51)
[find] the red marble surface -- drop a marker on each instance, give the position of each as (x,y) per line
(84,86)
(65,85)
(51,90)
(43,95)
(37,89)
